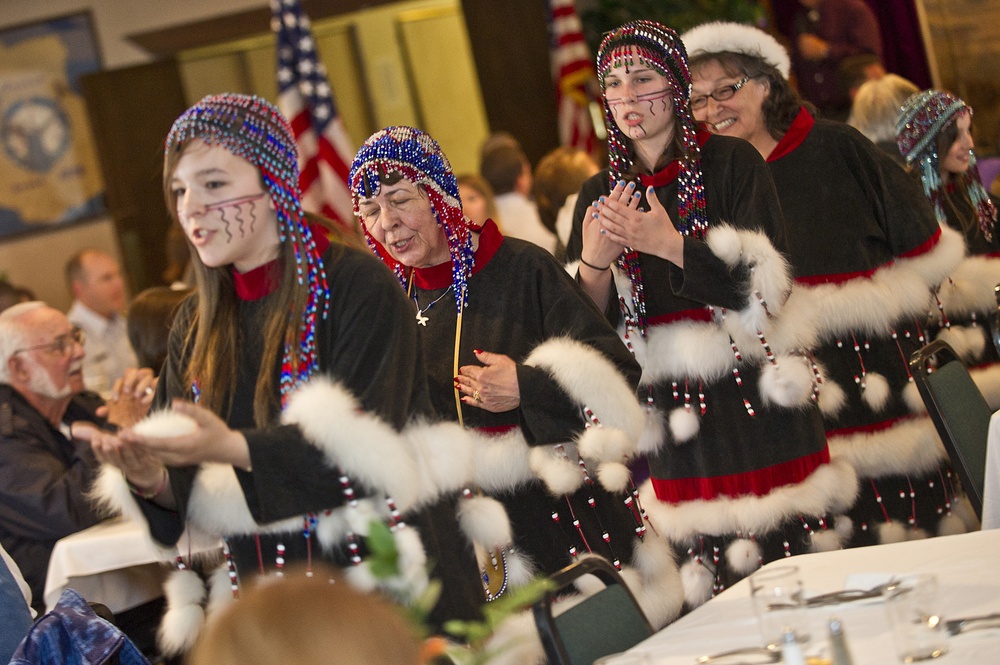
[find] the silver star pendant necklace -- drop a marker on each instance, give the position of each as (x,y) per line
(421,319)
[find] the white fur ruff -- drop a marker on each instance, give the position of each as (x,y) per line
(910,446)
(987,379)
(720,36)
(165,424)
(501,462)
(970,288)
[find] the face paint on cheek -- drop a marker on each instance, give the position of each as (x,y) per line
(651,98)
(235,208)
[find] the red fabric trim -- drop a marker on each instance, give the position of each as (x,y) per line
(496,430)
(700,314)
(264,280)
(668,173)
(439,276)
(757,483)
(926,246)
(793,138)
(868,429)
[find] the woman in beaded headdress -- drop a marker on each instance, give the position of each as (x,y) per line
(516,352)
(866,251)
(935,138)
(680,242)
(292,371)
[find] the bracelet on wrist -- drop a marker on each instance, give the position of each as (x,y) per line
(593,267)
(162,485)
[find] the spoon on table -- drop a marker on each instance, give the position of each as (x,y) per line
(743,656)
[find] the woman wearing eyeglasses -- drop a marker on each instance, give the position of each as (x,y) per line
(866,250)
(680,243)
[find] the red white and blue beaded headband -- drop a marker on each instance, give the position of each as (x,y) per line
(253,129)
(417,157)
(921,120)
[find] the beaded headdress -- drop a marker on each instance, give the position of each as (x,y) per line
(417,157)
(727,37)
(921,120)
(660,49)
(253,129)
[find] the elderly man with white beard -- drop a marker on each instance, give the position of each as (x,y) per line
(44,474)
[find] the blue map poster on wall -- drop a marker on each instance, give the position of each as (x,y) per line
(49,173)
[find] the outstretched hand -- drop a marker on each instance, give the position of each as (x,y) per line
(649,232)
(212,441)
(492,386)
(130,398)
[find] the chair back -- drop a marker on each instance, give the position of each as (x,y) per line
(605,623)
(958,411)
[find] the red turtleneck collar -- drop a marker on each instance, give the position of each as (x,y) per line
(795,135)
(668,173)
(440,276)
(264,280)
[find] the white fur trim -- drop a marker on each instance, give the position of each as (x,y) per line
(987,379)
(698,581)
(604,444)
(912,398)
(484,521)
(614,476)
(891,532)
(684,424)
(364,446)
(788,382)
(220,591)
(659,588)
(185,616)
(844,526)
(111,495)
(968,342)
(218,506)
(165,424)
(962,507)
(942,260)
(831,488)
(950,525)
(826,541)
(444,454)
(720,36)
(520,569)
(910,446)
(743,556)
(590,379)
(557,469)
(876,391)
(970,287)
(501,462)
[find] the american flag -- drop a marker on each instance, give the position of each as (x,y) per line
(573,73)
(305,98)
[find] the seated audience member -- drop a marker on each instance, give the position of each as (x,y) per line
(505,167)
(876,108)
(558,178)
(478,201)
(44,475)
(856,70)
(149,319)
(307,620)
(98,288)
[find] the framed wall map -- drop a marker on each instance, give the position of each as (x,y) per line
(49,172)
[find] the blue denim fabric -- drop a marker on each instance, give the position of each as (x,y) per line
(71,634)
(15,617)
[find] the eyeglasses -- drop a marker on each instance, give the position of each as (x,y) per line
(63,344)
(719,94)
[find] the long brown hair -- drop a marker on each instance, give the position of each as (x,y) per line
(213,338)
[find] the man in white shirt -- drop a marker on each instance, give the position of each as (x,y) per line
(99,291)
(508,171)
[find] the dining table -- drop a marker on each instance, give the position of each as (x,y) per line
(117,563)
(967,567)
(991,489)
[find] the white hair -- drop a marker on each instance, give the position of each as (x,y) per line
(13,335)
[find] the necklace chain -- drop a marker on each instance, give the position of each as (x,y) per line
(421,319)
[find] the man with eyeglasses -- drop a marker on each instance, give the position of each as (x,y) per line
(44,474)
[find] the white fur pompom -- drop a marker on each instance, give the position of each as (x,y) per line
(968,342)
(831,398)
(220,591)
(185,616)
(605,444)
(165,424)
(361,578)
(844,526)
(891,532)
(684,424)
(560,475)
(961,507)
(743,556)
(698,581)
(788,383)
(950,525)
(485,522)
(520,570)
(876,391)
(913,399)
(826,540)
(614,476)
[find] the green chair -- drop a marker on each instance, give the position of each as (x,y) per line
(958,411)
(605,623)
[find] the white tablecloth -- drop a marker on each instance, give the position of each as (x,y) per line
(991,493)
(967,568)
(115,563)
